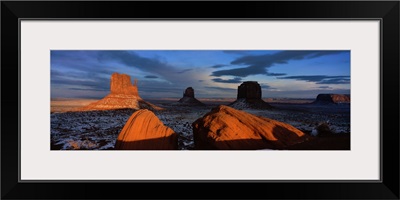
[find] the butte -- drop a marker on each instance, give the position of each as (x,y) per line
(189,99)
(122,95)
(249,96)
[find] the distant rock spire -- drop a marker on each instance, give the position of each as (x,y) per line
(189,92)
(188,98)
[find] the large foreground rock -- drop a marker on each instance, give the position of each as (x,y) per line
(144,131)
(122,95)
(332,99)
(249,96)
(228,128)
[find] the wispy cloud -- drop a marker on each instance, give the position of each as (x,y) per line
(259,64)
(266,86)
(234,80)
(151,76)
(238,52)
(220,88)
(324,87)
(185,70)
(321,79)
(218,66)
(335,81)
(276,74)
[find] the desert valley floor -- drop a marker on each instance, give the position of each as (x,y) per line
(98,130)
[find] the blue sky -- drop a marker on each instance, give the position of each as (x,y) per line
(212,73)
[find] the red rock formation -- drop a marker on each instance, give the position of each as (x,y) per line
(144,131)
(228,128)
(123,95)
(121,84)
(249,96)
(332,99)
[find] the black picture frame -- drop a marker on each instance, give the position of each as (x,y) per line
(386,11)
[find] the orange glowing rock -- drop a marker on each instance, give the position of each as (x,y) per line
(227,128)
(123,95)
(144,131)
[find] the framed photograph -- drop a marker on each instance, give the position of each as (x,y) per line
(116,97)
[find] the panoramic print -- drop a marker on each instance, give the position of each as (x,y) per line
(200,100)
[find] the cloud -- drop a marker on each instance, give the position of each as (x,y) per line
(259,64)
(234,80)
(220,88)
(266,86)
(218,66)
(85,89)
(276,74)
(79,80)
(185,70)
(238,52)
(239,72)
(151,76)
(321,79)
(132,59)
(324,87)
(335,81)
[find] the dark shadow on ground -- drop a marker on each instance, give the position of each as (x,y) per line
(163,143)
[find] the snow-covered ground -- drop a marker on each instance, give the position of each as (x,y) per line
(98,130)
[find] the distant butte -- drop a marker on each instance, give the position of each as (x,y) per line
(122,95)
(189,99)
(249,96)
(332,99)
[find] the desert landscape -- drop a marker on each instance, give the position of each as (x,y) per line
(123,120)
(200,100)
